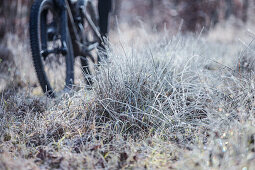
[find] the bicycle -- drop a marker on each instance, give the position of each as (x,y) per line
(61,30)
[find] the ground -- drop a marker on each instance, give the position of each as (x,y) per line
(163,100)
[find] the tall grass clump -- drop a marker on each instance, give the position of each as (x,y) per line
(166,86)
(158,101)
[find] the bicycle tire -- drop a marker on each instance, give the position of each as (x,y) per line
(35,38)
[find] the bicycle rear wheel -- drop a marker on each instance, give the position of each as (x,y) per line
(55,70)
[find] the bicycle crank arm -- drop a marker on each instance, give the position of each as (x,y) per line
(86,49)
(92,46)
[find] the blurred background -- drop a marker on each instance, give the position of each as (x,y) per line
(174,15)
(190,15)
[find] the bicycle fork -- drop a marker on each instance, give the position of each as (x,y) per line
(63,25)
(61,4)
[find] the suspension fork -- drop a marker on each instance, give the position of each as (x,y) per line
(61,4)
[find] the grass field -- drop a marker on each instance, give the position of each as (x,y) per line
(163,100)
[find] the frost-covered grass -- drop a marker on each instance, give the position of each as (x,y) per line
(160,101)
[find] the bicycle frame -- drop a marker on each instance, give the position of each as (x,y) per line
(76,28)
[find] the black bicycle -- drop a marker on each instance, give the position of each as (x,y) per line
(61,30)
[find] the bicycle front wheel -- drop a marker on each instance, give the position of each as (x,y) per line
(55,70)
